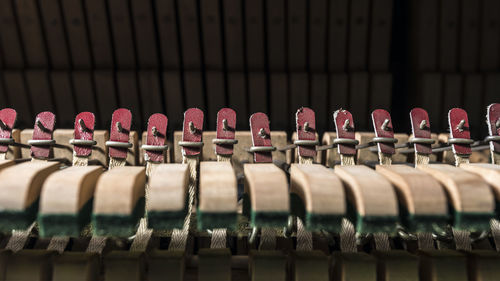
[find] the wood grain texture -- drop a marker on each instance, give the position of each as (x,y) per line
(19,192)
(129,182)
(67,190)
(268,188)
(467,192)
(319,188)
(218,188)
(490,174)
(368,191)
(419,192)
(168,186)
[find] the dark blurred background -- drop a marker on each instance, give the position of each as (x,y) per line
(273,56)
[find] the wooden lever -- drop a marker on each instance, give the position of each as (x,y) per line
(372,197)
(471,198)
(317,196)
(167,196)
(218,196)
(66,200)
(490,174)
(423,198)
(20,193)
(119,201)
(267,188)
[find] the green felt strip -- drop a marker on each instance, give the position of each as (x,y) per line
(163,220)
(472,221)
(20,220)
(312,221)
(118,225)
(65,224)
(209,220)
(423,223)
(269,219)
(371,224)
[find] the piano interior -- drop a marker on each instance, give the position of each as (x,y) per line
(250,140)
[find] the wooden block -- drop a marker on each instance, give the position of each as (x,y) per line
(166,155)
(125,265)
(66,200)
(99,34)
(490,174)
(39,263)
(10,39)
(121,31)
(53,24)
(397,265)
(297,34)
(233,33)
(268,207)
(353,266)
(295,152)
(240,155)
(17,93)
(167,196)
(330,156)
(470,197)
(217,196)
(99,152)
(317,196)
(420,195)
(267,265)
(76,30)
(310,265)
(166,263)
(483,265)
(119,215)
(365,155)
(372,197)
(19,196)
(449,26)
(145,33)
(437,265)
(14,152)
(28,20)
(78,266)
(214,264)
(476,156)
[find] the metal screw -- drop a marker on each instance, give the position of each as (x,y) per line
(346,125)
(192,129)
(262,133)
(3,125)
(119,127)
(225,126)
(82,125)
(498,123)
(154,131)
(41,126)
(423,124)
(307,128)
(385,125)
(460,126)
